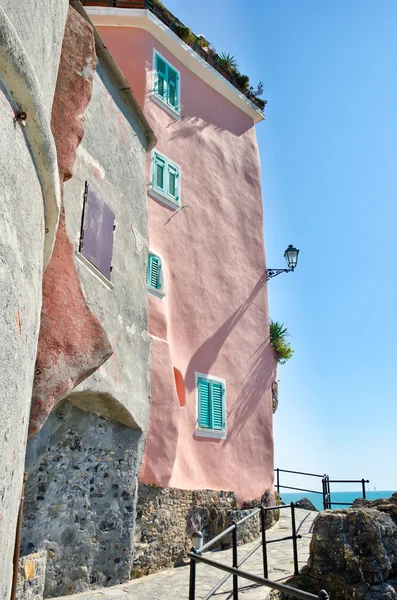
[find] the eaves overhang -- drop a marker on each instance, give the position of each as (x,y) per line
(145,19)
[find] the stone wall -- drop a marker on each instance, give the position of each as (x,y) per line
(31,576)
(167,517)
(80,499)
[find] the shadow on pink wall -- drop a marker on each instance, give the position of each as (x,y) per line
(206,355)
(259,378)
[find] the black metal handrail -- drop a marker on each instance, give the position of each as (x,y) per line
(326,488)
(235,571)
(164,15)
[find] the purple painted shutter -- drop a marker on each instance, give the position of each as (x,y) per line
(97,232)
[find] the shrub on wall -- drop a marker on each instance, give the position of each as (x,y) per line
(282,348)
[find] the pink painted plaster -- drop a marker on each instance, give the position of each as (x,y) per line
(72,343)
(214,318)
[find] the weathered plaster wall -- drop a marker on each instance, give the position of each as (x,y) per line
(80,499)
(72,342)
(112,159)
(87,525)
(26,179)
(214,318)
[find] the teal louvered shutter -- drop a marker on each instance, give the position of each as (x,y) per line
(161,77)
(204,412)
(172,82)
(217,405)
(153,273)
(173,182)
(159,173)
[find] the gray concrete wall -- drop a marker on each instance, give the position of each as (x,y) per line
(83,464)
(112,158)
(36,45)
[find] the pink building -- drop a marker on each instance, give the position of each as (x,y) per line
(212,365)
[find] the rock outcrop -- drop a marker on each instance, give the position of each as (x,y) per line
(306,504)
(353,554)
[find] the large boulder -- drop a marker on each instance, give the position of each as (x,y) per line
(386,505)
(353,554)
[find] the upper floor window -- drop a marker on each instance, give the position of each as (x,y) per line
(165,178)
(166,83)
(97,227)
(211,406)
(154,275)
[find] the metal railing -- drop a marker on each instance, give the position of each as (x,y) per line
(325,492)
(195,42)
(235,571)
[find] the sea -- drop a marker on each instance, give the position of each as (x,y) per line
(317,499)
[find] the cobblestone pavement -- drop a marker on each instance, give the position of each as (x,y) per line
(173,584)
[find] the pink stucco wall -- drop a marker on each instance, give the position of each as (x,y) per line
(214,317)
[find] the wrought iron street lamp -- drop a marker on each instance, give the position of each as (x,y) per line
(291,256)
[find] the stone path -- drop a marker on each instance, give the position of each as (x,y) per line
(173,584)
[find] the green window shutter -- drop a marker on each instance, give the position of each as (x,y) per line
(172,81)
(159,173)
(204,412)
(173,182)
(217,405)
(153,273)
(161,77)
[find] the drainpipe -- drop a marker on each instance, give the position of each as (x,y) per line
(18,541)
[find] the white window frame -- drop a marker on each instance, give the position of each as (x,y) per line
(158,194)
(154,291)
(159,99)
(211,433)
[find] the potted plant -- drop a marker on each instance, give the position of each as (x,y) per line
(228,62)
(282,348)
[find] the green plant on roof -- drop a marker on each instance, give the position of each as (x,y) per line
(228,62)
(281,347)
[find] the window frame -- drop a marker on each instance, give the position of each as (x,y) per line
(162,194)
(170,108)
(86,256)
(205,432)
(161,291)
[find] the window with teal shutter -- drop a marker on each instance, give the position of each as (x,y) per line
(166,82)
(204,411)
(172,82)
(153,272)
(161,78)
(159,173)
(165,177)
(211,404)
(173,182)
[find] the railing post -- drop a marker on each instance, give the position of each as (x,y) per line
(329,493)
(192,578)
(324,494)
(363,484)
(294,538)
(264,547)
(278,480)
(235,563)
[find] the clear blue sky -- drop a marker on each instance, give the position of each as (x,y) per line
(329,171)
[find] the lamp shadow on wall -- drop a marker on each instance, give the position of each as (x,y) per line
(259,378)
(207,353)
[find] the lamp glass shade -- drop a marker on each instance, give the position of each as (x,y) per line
(291,256)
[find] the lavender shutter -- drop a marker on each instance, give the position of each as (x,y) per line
(97,232)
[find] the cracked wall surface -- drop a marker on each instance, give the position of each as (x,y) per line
(29,196)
